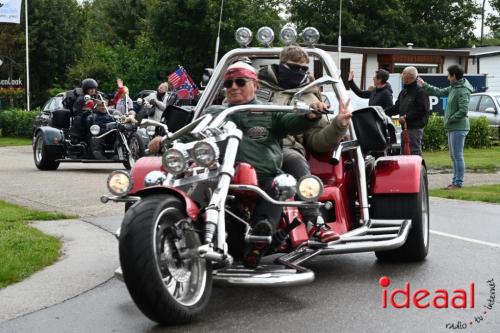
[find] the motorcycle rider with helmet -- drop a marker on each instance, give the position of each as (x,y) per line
(81,110)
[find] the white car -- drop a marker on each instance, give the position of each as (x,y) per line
(486,104)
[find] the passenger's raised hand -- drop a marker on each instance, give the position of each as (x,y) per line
(344,113)
(351,76)
(420,82)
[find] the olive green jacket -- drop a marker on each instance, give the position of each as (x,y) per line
(321,137)
(262,134)
(457,106)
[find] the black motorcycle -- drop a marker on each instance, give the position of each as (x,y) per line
(121,141)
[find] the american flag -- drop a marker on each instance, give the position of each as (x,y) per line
(184,86)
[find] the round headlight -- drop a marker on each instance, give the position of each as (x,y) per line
(95,129)
(154,178)
(119,183)
(151,130)
(265,36)
(205,153)
(310,35)
(309,188)
(243,36)
(288,35)
(175,160)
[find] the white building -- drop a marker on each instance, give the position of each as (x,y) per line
(364,61)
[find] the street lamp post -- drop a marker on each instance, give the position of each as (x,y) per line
(482,23)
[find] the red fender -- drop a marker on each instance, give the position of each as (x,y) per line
(142,167)
(192,209)
(397,174)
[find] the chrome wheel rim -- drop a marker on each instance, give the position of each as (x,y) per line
(39,149)
(134,151)
(425,216)
(184,279)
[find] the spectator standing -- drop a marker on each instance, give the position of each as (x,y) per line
(456,121)
(413,108)
(380,95)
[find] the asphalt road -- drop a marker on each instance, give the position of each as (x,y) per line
(74,188)
(345,297)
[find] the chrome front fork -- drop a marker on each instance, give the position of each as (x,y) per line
(215,212)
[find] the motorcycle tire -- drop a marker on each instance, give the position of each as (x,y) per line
(167,289)
(136,145)
(44,160)
(406,206)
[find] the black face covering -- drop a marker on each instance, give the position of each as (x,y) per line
(289,79)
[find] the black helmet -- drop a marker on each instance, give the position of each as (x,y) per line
(88,84)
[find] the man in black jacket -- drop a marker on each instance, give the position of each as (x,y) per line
(413,107)
(381,94)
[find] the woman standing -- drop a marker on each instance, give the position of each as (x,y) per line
(456,121)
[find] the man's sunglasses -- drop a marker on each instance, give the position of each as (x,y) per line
(239,82)
(295,67)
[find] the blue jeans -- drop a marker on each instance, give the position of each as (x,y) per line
(456,141)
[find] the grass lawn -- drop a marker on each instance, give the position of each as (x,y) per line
(9,141)
(23,249)
(485,193)
(485,160)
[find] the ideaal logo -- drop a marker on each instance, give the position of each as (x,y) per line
(439,299)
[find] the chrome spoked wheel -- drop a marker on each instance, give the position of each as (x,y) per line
(38,149)
(44,159)
(161,266)
(136,146)
(425,216)
(182,270)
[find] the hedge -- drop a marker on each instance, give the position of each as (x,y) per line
(17,122)
(435,137)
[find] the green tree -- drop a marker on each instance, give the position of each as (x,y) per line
(55,35)
(493,19)
(185,31)
(114,21)
(389,23)
(12,51)
(138,67)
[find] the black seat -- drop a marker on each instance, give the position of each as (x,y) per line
(177,117)
(374,130)
(61,118)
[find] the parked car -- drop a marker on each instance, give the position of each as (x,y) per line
(486,104)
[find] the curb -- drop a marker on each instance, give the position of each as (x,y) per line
(89,258)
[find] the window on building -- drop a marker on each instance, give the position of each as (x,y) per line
(421,68)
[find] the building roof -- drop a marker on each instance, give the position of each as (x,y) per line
(397,50)
(484,51)
(475,52)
